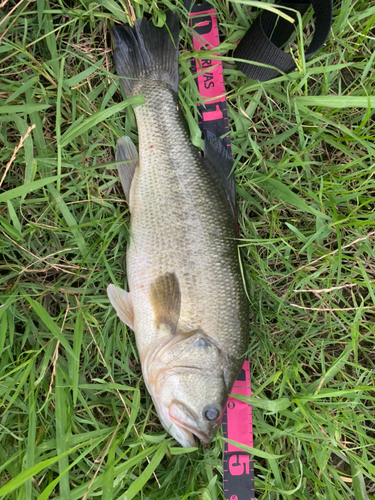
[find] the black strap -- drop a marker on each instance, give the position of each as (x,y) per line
(269,32)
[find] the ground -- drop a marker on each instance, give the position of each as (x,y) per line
(76,420)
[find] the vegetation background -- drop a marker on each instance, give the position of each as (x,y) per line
(75,419)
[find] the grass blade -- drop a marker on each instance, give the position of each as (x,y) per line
(50,324)
(76,130)
(25,109)
(30,450)
(138,484)
(62,426)
(74,362)
(26,189)
(69,219)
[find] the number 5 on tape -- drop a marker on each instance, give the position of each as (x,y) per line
(238,426)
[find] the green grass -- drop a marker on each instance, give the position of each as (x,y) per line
(76,421)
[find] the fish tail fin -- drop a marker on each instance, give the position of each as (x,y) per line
(145,52)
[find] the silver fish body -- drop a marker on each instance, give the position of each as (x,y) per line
(186,301)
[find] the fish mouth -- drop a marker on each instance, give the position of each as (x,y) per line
(183,436)
(184,419)
(181,433)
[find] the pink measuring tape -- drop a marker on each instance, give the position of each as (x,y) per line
(210,80)
(237,421)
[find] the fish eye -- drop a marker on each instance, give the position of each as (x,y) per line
(211,413)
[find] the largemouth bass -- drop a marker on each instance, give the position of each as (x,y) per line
(186,302)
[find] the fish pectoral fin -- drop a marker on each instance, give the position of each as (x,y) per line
(122,302)
(127,153)
(165,298)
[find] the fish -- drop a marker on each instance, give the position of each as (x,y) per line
(186,301)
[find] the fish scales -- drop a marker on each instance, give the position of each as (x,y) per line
(181,222)
(186,302)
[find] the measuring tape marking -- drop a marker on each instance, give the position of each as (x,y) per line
(210,79)
(238,426)
(238,467)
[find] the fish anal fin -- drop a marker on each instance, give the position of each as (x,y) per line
(165,298)
(127,153)
(122,303)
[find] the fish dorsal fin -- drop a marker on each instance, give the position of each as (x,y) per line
(220,158)
(122,302)
(165,298)
(126,152)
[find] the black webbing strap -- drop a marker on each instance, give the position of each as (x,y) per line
(269,32)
